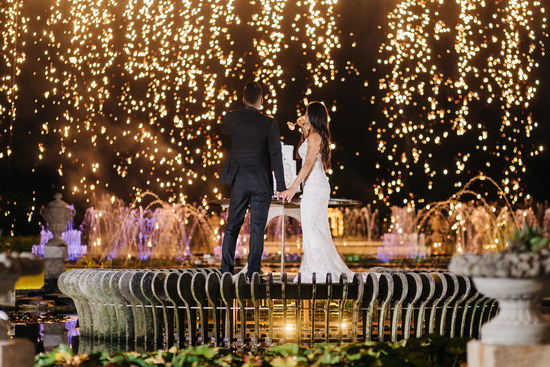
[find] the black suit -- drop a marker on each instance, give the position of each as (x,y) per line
(255,153)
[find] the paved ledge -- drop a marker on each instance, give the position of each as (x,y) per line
(484,355)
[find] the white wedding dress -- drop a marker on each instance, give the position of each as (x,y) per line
(319,251)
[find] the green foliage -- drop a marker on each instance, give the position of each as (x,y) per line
(18,244)
(528,239)
(428,351)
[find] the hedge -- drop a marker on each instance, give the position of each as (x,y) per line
(427,351)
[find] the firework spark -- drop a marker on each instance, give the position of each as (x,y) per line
(149,80)
(442,72)
(12,26)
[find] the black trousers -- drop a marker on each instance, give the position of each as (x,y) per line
(240,201)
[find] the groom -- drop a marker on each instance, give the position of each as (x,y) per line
(255,153)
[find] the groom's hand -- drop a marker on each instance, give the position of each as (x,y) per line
(279,195)
(289,194)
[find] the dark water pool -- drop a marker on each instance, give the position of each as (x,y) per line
(45,330)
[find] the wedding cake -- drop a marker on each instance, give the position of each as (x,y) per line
(289,165)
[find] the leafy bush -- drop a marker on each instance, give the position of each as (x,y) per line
(528,239)
(427,351)
(18,244)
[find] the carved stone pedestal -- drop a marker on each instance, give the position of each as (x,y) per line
(520,320)
(16,352)
(486,355)
(54,265)
(8,299)
(54,334)
(56,214)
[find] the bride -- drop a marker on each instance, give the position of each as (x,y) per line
(319,251)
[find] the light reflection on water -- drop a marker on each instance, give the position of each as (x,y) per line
(48,335)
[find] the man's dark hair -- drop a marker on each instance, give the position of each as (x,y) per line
(252,92)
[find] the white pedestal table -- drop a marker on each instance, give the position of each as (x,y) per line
(292,210)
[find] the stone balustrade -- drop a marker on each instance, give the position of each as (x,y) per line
(156,308)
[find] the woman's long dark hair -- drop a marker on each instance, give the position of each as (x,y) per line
(318,118)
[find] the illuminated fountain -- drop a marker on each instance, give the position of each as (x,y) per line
(159,230)
(403,240)
(162,103)
(113,230)
(158,308)
(470,227)
(362,223)
(457,225)
(71,236)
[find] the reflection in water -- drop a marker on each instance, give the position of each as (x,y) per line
(111,346)
(46,335)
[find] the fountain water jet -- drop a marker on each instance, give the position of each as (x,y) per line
(474,228)
(157,231)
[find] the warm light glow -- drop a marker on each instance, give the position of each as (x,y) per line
(136,89)
(12,26)
(441,69)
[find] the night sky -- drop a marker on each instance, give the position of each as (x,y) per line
(355,92)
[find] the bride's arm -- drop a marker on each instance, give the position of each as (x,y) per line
(313,147)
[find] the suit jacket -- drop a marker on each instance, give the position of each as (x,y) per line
(255,151)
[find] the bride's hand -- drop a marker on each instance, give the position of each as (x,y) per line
(289,194)
(301,121)
(291,126)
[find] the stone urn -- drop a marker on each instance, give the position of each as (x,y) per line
(56,214)
(518,281)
